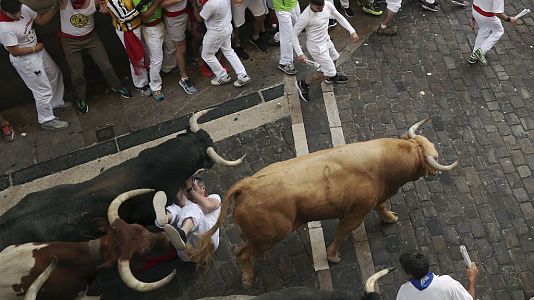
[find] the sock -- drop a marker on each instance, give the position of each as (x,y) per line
(383,26)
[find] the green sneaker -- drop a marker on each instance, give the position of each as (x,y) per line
(481,56)
(372,9)
(81,106)
(473,58)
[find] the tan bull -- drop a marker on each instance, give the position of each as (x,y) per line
(345,182)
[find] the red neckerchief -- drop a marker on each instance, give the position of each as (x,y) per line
(77,4)
(5,18)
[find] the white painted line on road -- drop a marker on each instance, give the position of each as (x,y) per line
(315,229)
(361,244)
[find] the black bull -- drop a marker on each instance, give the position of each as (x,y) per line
(65,212)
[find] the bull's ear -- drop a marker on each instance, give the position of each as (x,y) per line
(102,225)
(405,136)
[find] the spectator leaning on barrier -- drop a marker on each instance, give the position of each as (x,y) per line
(78,34)
(127,23)
(315,20)
(36,68)
(423,285)
(488,15)
(153,30)
(217,17)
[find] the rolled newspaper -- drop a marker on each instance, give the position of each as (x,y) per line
(522,13)
(317,66)
(467,259)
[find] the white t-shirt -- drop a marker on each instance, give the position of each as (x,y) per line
(441,288)
(316,25)
(177,6)
(494,6)
(217,14)
(19,33)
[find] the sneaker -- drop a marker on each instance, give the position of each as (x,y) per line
(145,91)
(289,69)
(275,40)
(372,9)
(348,12)
(389,30)
(55,124)
(473,58)
(159,202)
(205,71)
(66,105)
(480,55)
(259,43)
(303,89)
(9,133)
(332,23)
(124,92)
(338,78)
(81,106)
(220,81)
(430,6)
(176,236)
(460,3)
(242,80)
(241,53)
(158,95)
(188,87)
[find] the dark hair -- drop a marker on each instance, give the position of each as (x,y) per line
(198,179)
(11,6)
(414,263)
(317,2)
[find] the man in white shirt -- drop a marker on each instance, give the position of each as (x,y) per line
(315,19)
(424,285)
(486,13)
(217,16)
(28,56)
(193,213)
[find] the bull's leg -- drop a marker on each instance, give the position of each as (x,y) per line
(386,215)
(345,226)
(244,254)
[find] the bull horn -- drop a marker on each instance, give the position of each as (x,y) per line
(32,291)
(218,159)
(370,283)
(193,122)
(113,209)
(135,284)
(411,131)
(435,165)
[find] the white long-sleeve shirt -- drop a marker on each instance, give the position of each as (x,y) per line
(316,25)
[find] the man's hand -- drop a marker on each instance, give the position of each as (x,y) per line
(302,58)
(472,272)
(354,36)
(39,46)
(514,21)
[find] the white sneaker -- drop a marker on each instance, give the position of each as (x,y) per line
(242,80)
(175,236)
(159,202)
(55,124)
(220,81)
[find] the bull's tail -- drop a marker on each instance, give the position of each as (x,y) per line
(203,251)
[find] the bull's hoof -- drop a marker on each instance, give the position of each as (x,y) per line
(389,217)
(334,258)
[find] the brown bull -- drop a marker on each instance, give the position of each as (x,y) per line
(345,182)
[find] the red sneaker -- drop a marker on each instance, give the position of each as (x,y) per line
(9,133)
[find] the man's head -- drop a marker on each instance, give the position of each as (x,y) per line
(199,185)
(317,5)
(414,263)
(11,8)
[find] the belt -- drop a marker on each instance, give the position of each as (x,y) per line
(482,12)
(171,14)
(61,34)
(153,23)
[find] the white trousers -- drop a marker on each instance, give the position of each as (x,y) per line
(325,55)
(211,43)
(286,21)
(154,36)
(393,5)
(490,31)
(169,54)
(140,80)
(43,77)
